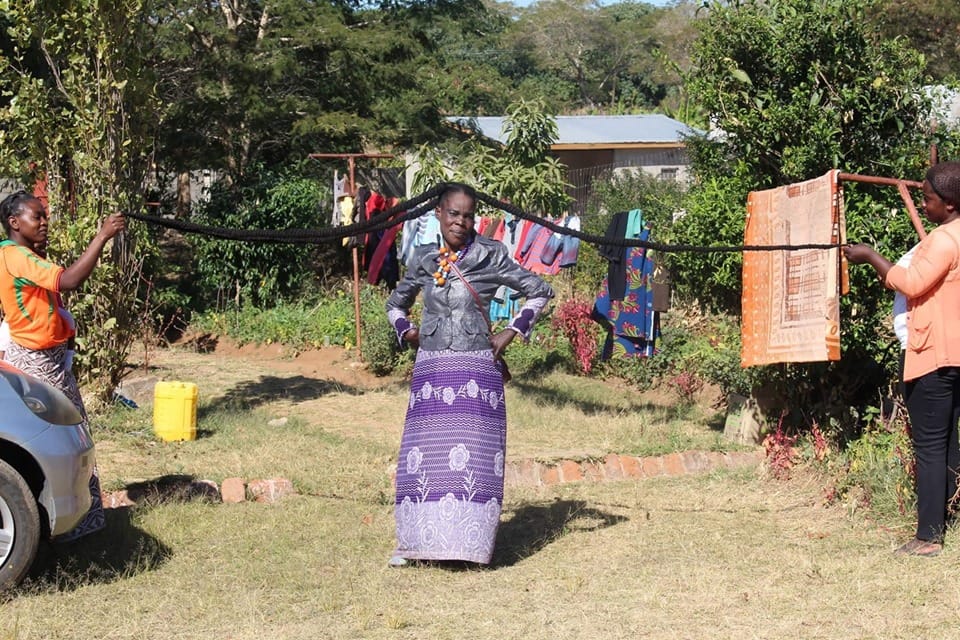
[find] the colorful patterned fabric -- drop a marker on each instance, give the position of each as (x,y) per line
(791,299)
(49,365)
(450,471)
(28,293)
(633,327)
(539,250)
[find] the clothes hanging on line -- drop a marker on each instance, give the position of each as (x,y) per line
(539,249)
(505,304)
(379,247)
(417,232)
(340,191)
(570,247)
(384,262)
(633,327)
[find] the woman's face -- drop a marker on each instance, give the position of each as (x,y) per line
(456,219)
(935,208)
(30,224)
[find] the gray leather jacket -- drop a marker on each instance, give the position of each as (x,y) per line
(451,318)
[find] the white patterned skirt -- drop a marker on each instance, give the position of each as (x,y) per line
(450,471)
(50,365)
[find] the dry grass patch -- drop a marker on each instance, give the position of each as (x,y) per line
(723,555)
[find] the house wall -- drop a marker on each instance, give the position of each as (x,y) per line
(659,163)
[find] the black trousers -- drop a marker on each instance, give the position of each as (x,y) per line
(933,402)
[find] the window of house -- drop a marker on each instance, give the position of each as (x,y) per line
(668,173)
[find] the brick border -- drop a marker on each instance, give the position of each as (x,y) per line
(529,472)
(520,473)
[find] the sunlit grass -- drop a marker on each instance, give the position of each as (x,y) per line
(728,554)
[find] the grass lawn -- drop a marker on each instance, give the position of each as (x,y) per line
(728,554)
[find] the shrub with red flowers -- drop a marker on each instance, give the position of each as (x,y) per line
(687,384)
(781,451)
(572,319)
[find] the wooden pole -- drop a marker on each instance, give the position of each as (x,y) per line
(903,187)
(351,164)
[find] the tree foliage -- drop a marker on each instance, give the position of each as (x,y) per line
(932,27)
(260,274)
(264,83)
(605,53)
(794,88)
(522,173)
(76,92)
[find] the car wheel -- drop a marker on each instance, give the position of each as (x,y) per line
(19,527)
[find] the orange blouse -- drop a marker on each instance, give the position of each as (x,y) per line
(932,286)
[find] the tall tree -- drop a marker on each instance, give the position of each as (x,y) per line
(930,26)
(265,82)
(606,53)
(795,88)
(78,118)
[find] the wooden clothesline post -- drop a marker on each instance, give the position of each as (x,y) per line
(352,190)
(903,187)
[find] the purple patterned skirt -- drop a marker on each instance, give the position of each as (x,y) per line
(450,472)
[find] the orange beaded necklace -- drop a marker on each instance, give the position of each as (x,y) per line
(444,260)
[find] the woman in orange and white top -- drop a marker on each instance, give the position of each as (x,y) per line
(931,373)
(40,328)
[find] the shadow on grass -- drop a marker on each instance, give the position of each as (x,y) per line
(717,421)
(121,550)
(171,488)
(539,368)
(534,526)
(253,393)
(549,396)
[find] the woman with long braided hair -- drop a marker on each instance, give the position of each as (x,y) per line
(450,471)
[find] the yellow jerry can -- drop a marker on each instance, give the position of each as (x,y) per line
(175,411)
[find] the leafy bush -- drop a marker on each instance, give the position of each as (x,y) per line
(257,273)
(544,352)
(694,349)
(300,325)
(795,89)
(876,471)
(379,344)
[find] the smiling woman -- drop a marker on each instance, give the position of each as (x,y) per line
(451,465)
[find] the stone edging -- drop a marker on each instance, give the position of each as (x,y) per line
(618,467)
(231,490)
(522,473)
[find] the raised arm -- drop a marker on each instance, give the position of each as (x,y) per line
(75,275)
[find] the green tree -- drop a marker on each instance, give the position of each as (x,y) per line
(606,53)
(77,92)
(523,172)
(930,26)
(259,274)
(793,89)
(263,83)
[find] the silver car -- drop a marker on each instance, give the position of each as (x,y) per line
(46,460)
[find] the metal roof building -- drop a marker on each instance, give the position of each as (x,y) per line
(595,132)
(594,147)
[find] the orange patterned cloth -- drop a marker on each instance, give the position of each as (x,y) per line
(791,299)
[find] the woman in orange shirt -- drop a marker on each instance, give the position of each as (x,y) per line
(931,371)
(40,329)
